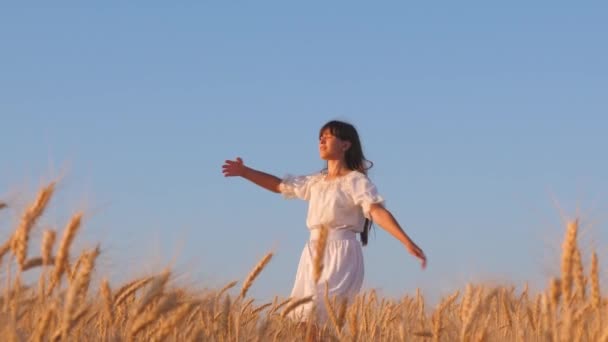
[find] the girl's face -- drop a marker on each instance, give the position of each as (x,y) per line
(332,147)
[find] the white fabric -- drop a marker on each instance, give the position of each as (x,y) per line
(340,204)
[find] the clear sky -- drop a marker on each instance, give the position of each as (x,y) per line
(487,123)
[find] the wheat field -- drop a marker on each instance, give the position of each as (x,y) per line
(63,304)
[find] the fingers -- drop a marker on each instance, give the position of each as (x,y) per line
(229,170)
(422,259)
(237,161)
(231,167)
(418,253)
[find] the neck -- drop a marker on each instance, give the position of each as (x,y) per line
(336,168)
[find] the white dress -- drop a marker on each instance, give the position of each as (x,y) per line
(342,205)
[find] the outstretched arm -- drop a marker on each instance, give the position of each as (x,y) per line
(387,221)
(232,168)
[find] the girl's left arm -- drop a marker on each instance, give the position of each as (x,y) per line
(387,221)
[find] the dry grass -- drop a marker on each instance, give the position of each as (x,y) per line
(152,308)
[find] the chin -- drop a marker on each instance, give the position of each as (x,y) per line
(327,157)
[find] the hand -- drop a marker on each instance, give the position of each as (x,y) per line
(418,253)
(233,168)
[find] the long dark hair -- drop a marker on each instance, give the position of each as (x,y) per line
(354,158)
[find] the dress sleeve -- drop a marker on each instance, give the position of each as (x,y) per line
(365,194)
(296,186)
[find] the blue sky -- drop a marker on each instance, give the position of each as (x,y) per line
(486,124)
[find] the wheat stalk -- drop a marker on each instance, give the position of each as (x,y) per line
(28,220)
(172,321)
(568,250)
(277,306)
(319,255)
(5,248)
(165,304)
(580,281)
(84,274)
(156,288)
(48,239)
(108,299)
(260,308)
(77,288)
(294,304)
(128,289)
(61,260)
(41,329)
(330,311)
(254,274)
(439,313)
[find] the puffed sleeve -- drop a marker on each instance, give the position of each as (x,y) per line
(365,193)
(296,186)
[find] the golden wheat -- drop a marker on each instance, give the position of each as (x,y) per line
(152,308)
(320,253)
(568,250)
(28,220)
(61,260)
(254,274)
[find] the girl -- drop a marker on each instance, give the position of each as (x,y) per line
(344,200)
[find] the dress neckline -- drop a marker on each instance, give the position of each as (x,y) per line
(336,179)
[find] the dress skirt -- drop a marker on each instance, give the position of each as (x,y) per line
(342,271)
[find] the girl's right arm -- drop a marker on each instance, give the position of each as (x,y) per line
(233,168)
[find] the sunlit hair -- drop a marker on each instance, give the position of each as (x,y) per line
(354,158)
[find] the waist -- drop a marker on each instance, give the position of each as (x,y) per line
(339,234)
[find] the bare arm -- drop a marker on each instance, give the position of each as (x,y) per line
(387,221)
(265,180)
(236,167)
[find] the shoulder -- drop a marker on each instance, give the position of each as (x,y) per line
(301,180)
(358,177)
(355,179)
(358,174)
(359,181)
(314,177)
